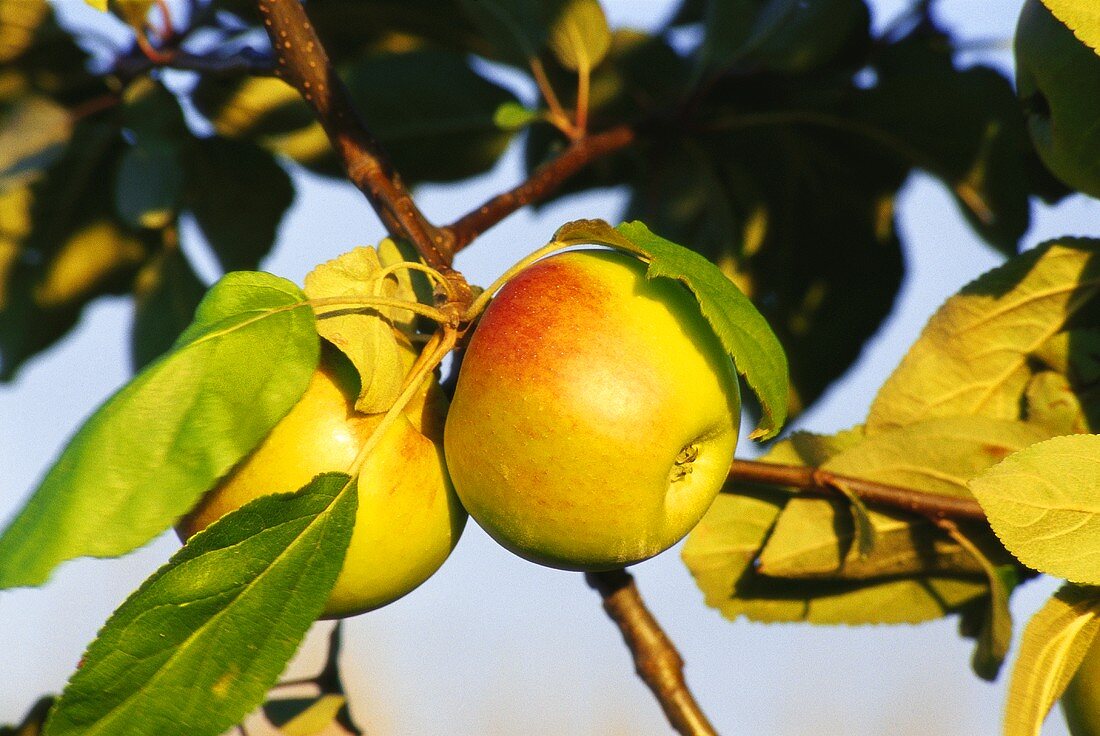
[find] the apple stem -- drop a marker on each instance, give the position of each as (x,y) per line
(655,657)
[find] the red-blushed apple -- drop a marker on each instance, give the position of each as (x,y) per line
(409,518)
(595,415)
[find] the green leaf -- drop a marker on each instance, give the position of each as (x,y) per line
(238,194)
(513,116)
(963,126)
(1044,504)
(1054,643)
(813,537)
(995,634)
(33,135)
(148,183)
(579,35)
(1081,16)
(365,336)
(433,114)
(794,36)
(973,355)
(726,27)
(166,293)
(145,456)
(801,219)
(743,332)
(516,28)
(199,644)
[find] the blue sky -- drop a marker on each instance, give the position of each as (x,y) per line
(493,644)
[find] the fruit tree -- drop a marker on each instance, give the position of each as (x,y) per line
(320,446)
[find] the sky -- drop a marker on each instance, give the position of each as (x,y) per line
(493,644)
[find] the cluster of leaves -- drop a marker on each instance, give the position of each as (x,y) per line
(775,147)
(1004,366)
(240,595)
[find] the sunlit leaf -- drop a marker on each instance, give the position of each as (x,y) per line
(199,644)
(1082,17)
(1053,645)
(579,35)
(152,449)
(973,355)
(813,537)
(1044,504)
(364,334)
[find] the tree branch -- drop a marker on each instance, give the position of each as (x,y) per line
(655,658)
(302,62)
(824,482)
(542,183)
(246,61)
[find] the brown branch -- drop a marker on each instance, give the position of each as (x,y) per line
(655,658)
(302,62)
(824,482)
(542,183)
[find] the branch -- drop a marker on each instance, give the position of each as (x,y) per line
(302,62)
(544,182)
(824,482)
(655,658)
(246,61)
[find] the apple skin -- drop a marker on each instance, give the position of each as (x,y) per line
(1081,700)
(582,386)
(1057,79)
(409,518)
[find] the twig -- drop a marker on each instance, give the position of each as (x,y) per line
(816,480)
(246,61)
(302,62)
(546,180)
(655,658)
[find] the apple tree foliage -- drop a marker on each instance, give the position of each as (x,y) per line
(772,145)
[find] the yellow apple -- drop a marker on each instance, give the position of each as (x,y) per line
(1058,81)
(1081,701)
(409,518)
(595,415)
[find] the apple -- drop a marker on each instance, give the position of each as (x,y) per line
(1081,700)
(1058,79)
(595,415)
(409,518)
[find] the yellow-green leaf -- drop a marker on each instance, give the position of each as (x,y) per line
(973,356)
(814,539)
(1054,643)
(1044,504)
(1082,17)
(363,333)
(579,35)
